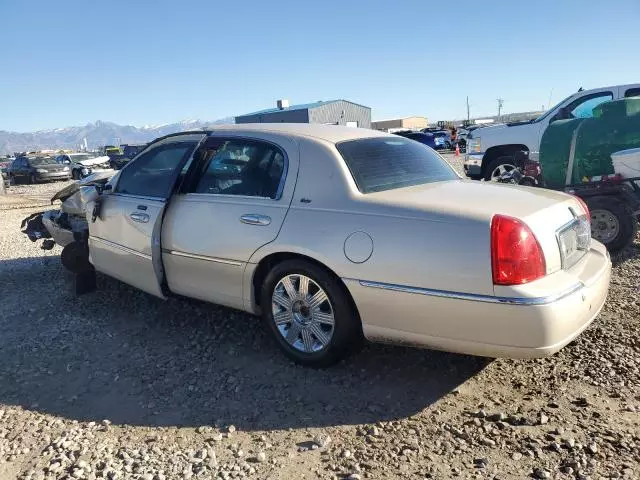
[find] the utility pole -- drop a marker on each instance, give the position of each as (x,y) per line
(500,103)
(468,119)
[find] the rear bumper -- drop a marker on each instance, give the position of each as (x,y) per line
(516,327)
(472,164)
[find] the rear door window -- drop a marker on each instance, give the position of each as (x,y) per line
(632,92)
(382,163)
(249,168)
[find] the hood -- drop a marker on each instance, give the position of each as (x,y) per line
(94,161)
(99,178)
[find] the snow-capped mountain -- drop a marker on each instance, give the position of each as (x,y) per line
(97,134)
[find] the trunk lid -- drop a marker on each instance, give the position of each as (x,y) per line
(546,212)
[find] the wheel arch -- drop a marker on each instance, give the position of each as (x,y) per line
(500,151)
(265,265)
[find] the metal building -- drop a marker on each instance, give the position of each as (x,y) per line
(332,112)
(407,123)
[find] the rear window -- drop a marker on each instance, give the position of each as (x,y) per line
(383,163)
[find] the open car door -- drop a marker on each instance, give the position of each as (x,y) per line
(124,236)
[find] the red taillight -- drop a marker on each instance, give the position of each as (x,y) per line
(516,256)
(585,208)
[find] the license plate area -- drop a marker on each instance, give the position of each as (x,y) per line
(574,239)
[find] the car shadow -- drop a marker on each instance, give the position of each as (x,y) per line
(630,252)
(123,355)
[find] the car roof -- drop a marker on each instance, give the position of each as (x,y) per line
(329,133)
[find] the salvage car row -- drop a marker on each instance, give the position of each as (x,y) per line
(312,228)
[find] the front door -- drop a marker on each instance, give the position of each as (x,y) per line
(124,239)
(235,203)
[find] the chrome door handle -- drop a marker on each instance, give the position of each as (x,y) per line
(255,219)
(139,217)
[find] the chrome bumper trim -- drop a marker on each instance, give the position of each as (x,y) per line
(120,247)
(202,257)
(472,296)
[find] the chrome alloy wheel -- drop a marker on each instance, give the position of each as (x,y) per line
(303,313)
(604,226)
(501,170)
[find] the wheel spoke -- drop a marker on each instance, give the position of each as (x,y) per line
(318,299)
(307,339)
(293,333)
(320,334)
(303,287)
(281,300)
(288,286)
(324,318)
(282,318)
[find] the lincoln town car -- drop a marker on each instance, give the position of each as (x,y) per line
(334,235)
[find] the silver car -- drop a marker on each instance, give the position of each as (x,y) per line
(335,234)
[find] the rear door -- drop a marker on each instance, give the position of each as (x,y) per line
(124,239)
(235,203)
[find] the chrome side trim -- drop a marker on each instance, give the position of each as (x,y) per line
(474,297)
(203,257)
(120,247)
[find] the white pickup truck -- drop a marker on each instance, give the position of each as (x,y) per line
(491,150)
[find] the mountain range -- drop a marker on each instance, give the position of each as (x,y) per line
(97,133)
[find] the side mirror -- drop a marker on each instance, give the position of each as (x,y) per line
(108,187)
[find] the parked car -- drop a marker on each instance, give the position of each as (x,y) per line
(443,139)
(131,150)
(33,169)
(334,233)
(83,164)
(424,138)
(491,150)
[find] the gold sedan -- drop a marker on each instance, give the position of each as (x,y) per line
(334,234)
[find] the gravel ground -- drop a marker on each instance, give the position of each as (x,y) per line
(118,384)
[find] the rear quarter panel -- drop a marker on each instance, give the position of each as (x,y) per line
(437,251)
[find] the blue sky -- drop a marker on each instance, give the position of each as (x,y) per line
(70,62)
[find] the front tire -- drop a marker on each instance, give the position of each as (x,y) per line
(612,223)
(33,179)
(497,167)
(75,174)
(309,313)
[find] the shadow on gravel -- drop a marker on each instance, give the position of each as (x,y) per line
(126,356)
(629,253)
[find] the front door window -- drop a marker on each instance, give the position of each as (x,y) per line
(153,173)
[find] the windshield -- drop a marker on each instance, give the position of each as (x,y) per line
(383,163)
(42,161)
(552,109)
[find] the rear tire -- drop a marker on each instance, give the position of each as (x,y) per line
(309,333)
(506,161)
(612,223)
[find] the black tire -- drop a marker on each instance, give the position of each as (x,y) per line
(347,329)
(627,223)
(495,163)
(32,179)
(75,174)
(12,179)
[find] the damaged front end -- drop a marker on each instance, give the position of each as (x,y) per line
(63,226)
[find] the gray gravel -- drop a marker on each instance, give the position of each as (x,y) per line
(118,384)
